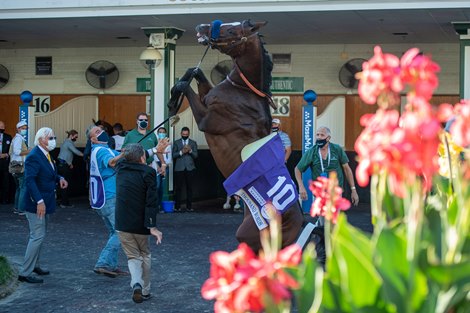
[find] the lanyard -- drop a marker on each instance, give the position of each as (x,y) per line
(321,159)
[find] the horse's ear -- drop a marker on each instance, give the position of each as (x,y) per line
(257,25)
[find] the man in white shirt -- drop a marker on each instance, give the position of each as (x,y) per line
(18,152)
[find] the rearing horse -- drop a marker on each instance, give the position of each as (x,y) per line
(236,112)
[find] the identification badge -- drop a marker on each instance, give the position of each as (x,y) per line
(324,174)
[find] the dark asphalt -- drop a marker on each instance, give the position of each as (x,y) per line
(75,237)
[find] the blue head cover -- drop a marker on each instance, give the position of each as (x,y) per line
(215,29)
(26,96)
(310,96)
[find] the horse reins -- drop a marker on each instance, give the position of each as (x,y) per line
(180,100)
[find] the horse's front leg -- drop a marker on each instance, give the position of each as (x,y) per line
(182,87)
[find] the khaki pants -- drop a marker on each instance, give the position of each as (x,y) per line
(136,248)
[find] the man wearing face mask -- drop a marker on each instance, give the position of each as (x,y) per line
(325,157)
(41,179)
(18,152)
(276,128)
(65,165)
(167,158)
(103,198)
(5,142)
(138,133)
(184,152)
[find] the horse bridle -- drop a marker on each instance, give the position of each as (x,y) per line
(250,86)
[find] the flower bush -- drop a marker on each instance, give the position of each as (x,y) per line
(418,257)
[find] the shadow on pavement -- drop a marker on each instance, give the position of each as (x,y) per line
(75,237)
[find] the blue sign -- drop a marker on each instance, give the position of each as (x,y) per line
(26,98)
(308,140)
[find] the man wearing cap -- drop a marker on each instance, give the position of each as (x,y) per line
(18,152)
(5,142)
(276,128)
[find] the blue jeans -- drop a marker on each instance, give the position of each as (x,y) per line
(109,255)
(20,190)
(160,185)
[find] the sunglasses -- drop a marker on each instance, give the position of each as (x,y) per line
(52,138)
(142,120)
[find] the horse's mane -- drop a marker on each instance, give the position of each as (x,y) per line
(267,68)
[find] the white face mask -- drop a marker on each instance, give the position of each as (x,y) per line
(51,145)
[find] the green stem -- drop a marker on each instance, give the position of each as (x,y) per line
(328,247)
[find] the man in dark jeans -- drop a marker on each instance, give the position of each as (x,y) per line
(184,152)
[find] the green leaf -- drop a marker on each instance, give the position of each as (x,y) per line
(452,275)
(351,267)
(305,276)
(390,257)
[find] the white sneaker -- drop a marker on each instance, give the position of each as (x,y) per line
(227,206)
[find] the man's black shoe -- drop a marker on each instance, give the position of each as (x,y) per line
(40,271)
(137,293)
(30,279)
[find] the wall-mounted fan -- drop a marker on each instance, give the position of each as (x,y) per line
(220,71)
(102,74)
(348,71)
(4,76)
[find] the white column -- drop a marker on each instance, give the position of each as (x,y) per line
(159,89)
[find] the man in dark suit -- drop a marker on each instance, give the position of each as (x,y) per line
(5,141)
(41,179)
(184,152)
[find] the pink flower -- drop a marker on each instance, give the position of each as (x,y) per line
(380,76)
(240,281)
(403,147)
(328,201)
(420,73)
(460,128)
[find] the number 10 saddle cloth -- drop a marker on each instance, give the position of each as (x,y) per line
(263,178)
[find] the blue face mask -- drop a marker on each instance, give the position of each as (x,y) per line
(103,137)
(161,135)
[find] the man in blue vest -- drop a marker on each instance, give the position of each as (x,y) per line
(103,198)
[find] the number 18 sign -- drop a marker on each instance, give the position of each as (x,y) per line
(283,106)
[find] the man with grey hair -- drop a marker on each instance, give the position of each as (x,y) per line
(136,213)
(325,157)
(40,178)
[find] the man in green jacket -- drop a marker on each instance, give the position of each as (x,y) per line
(149,142)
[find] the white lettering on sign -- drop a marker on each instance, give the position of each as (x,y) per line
(307,127)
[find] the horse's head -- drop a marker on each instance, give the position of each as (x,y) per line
(227,37)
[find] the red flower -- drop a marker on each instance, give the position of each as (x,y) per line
(328,201)
(240,282)
(380,76)
(403,147)
(460,128)
(420,73)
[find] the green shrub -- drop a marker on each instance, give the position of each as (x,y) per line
(5,270)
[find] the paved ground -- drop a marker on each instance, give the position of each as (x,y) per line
(75,237)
